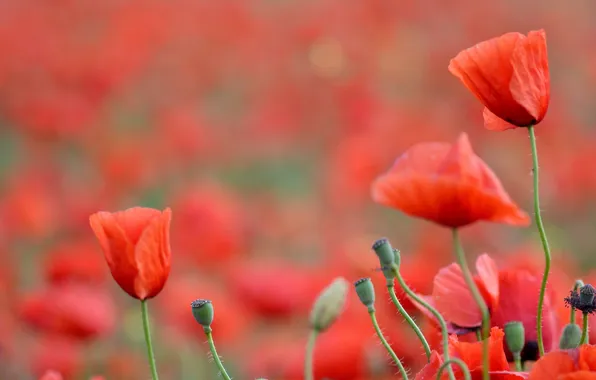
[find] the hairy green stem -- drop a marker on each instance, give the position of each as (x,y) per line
(413,325)
(578,284)
(433,311)
(147,331)
(216,357)
(460,363)
(400,366)
(310,351)
(543,239)
(584,339)
(478,335)
(518,363)
(461,260)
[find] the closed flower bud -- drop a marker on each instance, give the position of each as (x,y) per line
(571,337)
(366,292)
(202,310)
(329,305)
(386,256)
(514,336)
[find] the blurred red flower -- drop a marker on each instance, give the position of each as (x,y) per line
(136,244)
(447,184)
(51,375)
(75,261)
(57,353)
(471,355)
(576,364)
(509,75)
(510,294)
(71,310)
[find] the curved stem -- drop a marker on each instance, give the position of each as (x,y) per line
(478,335)
(518,363)
(584,339)
(413,325)
(578,284)
(460,363)
(216,358)
(433,311)
(461,260)
(146,330)
(543,239)
(310,350)
(400,366)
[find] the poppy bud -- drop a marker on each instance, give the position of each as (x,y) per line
(329,305)
(514,336)
(386,256)
(366,292)
(570,337)
(586,295)
(202,310)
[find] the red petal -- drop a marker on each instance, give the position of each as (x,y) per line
(494,123)
(587,357)
(152,255)
(429,371)
(454,299)
(550,366)
(134,220)
(489,274)
(579,375)
(471,353)
(530,83)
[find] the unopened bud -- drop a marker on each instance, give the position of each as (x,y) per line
(586,295)
(386,256)
(202,310)
(571,336)
(366,292)
(515,336)
(329,305)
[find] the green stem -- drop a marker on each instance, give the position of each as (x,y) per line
(433,311)
(310,350)
(216,358)
(401,368)
(578,284)
(584,339)
(413,325)
(146,330)
(543,239)
(461,260)
(518,363)
(478,335)
(460,363)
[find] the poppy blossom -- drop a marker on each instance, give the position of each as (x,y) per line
(510,295)
(509,75)
(136,244)
(575,364)
(471,355)
(51,375)
(447,184)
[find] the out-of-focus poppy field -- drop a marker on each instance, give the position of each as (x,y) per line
(268,129)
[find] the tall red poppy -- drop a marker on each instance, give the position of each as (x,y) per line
(447,184)
(471,355)
(510,294)
(136,244)
(576,364)
(509,75)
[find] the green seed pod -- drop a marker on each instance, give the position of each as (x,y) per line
(586,295)
(515,336)
(571,336)
(366,292)
(329,305)
(202,310)
(386,256)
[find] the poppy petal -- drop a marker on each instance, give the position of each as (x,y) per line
(502,375)
(471,353)
(489,274)
(134,220)
(530,83)
(550,366)
(450,293)
(152,254)
(587,357)
(429,371)
(494,123)
(579,375)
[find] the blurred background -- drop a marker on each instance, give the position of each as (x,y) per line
(262,125)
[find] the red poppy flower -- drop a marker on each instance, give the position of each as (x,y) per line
(70,310)
(509,75)
(576,364)
(511,295)
(74,261)
(471,355)
(51,375)
(447,184)
(136,244)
